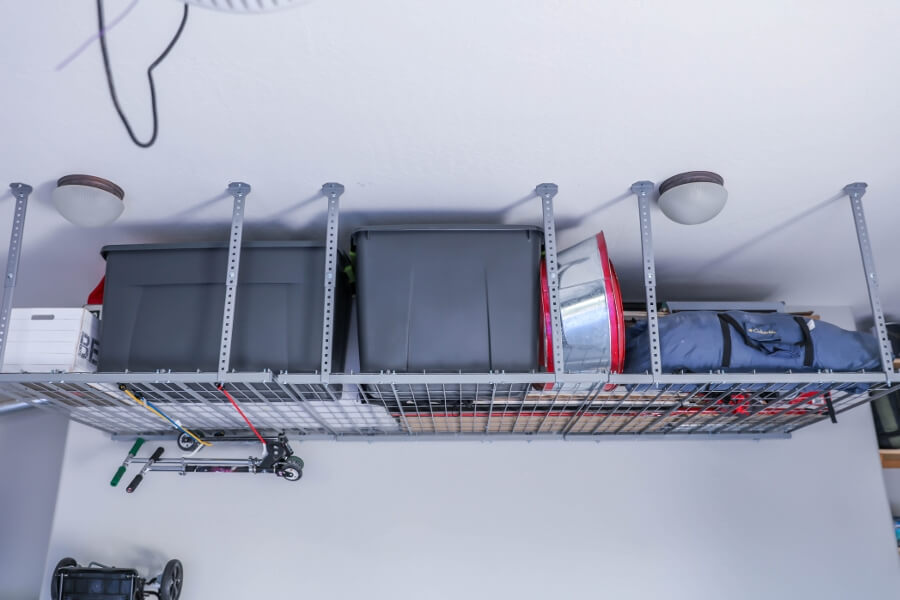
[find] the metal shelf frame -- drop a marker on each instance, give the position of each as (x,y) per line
(473,406)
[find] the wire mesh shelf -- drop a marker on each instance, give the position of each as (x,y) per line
(558,405)
(372,409)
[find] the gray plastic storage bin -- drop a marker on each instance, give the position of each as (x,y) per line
(163,303)
(447,299)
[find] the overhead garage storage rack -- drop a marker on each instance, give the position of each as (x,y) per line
(497,405)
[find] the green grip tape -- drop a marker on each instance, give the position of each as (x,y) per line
(137,446)
(131,454)
(117,476)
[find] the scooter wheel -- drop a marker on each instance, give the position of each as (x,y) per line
(292,469)
(186,443)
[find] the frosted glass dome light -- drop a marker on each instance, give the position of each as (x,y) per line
(693,197)
(88,201)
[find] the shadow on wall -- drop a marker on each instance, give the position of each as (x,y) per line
(761,237)
(180,228)
(677,287)
(28,496)
(76,273)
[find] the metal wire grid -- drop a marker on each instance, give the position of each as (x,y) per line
(595,409)
(575,411)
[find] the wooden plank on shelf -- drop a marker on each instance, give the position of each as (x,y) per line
(890,459)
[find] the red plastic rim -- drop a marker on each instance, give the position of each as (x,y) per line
(614,302)
(616,314)
(618,332)
(545,352)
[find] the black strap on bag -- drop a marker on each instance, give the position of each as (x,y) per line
(726,342)
(809,351)
(725,320)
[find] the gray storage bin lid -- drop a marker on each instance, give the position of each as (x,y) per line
(440,228)
(206,245)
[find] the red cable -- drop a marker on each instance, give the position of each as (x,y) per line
(233,403)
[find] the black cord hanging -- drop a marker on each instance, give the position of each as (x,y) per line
(112,88)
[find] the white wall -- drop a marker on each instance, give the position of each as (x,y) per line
(805,517)
(31,454)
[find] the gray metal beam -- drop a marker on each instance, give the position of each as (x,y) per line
(508,437)
(134,378)
(713,379)
(735,378)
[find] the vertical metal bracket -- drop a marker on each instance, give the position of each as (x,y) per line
(238,191)
(643,189)
(547,191)
(21,191)
(333,192)
(856,191)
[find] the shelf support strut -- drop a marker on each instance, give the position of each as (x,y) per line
(333,192)
(856,191)
(21,191)
(547,191)
(643,189)
(238,191)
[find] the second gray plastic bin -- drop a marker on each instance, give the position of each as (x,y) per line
(448,298)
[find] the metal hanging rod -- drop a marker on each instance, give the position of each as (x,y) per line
(20,191)
(332,191)
(855,192)
(238,191)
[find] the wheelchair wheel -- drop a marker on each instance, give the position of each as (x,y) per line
(171,580)
(54,580)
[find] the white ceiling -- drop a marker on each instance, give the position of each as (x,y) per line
(454,110)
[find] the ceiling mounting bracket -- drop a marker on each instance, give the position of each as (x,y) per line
(547,191)
(20,191)
(238,191)
(856,191)
(643,189)
(333,192)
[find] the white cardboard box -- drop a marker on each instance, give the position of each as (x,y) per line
(44,340)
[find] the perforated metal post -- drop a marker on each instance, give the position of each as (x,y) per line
(333,192)
(643,189)
(856,191)
(21,191)
(547,191)
(238,191)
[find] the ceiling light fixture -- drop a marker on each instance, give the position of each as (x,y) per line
(88,201)
(693,197)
